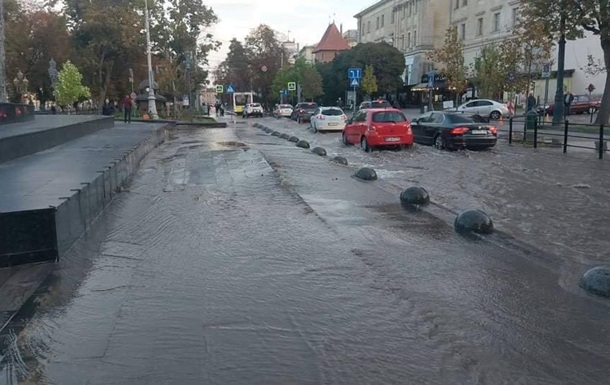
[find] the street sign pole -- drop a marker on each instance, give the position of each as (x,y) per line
(355,97)
(546,74)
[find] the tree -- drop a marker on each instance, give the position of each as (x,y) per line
(311,83)
(535,42)
(264,57)
(591,16)
(451,58)
(369,81)
(300,72)
(69,88)
(235,68)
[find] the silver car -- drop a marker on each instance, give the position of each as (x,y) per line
(485,107)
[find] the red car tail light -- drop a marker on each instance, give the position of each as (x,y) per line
(493,130)
(459,130)
(372,128)
(321,117)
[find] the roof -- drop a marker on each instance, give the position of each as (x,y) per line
(371,8)
(332,40)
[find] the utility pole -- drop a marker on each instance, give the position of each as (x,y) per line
(152,101)
(558,110)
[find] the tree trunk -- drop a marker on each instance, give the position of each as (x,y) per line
(3,96)
(604,109)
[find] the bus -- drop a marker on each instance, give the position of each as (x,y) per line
(240,99)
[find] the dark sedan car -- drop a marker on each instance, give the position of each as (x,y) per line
(453,131)
(302,112)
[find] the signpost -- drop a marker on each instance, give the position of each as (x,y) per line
(219,88)
(292,86)
(546,74)
(354,75)
(230,89)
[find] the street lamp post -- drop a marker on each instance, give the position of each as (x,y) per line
(21,85)
(558,110)
(152,103)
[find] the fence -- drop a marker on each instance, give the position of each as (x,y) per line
(574,135)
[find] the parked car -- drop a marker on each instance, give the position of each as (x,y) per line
(485,107)
(282,110)
(328,119)
(253,109)
(380,103)
(303,111)
(453,131)
(377,127)
(580,105)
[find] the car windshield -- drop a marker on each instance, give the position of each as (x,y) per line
(451,118)
(285,106)
(309,106)
(332,112)
(388,116)
(381,104)
(255,105)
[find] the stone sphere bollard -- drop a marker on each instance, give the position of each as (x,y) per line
(276,133)
(340,160)
(284,136)
(366,173)
(293,139)
(303,144)
(415,196)
(473,221)
(319,151)
(597,281)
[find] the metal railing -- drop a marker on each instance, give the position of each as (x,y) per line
(580,133)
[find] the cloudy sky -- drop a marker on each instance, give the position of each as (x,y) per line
(303,20)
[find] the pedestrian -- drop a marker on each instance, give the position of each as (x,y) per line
(568,98)
(108,108)
(531,102)
(217,108)
(127,104)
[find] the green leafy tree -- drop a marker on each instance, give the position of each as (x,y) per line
(264,57)
(582,16)
(311,83)
(451,58)
(369,81)
(301,72)
(69,88)
(235,69)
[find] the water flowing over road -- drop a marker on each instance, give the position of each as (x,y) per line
(235,257)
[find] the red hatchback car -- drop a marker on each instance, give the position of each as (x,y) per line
(378,127)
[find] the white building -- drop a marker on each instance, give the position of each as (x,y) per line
(307,53)
(375,23)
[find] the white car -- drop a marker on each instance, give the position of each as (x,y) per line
(328,119)
(485,107)
(283,110)
(253,109)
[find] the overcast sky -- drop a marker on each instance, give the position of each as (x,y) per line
(305,19)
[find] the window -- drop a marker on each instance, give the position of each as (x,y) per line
(377,23)
(515,17)
(410,8)
(463,31)
(416,4)
(414,38)
(464,3)
(457,4)
(402,44)
(496,26)
(404,11)
(409,40)
(368,26)
(388,117)
(480,26)
(382,20)
(393,17)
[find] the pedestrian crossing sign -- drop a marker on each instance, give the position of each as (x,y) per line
(230,89)
(355,83)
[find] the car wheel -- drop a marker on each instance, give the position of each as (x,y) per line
(344,139)
(365,145)
(439,142)
(495,115)
(592,110)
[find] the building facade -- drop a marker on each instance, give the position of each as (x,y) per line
(307,53)
(375,23)
(351,35)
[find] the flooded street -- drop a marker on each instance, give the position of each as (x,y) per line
(236,258)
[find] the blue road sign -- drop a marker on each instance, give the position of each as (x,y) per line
(354,73)
(230,88)
(285,92)
(354,83)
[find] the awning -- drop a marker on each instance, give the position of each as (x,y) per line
(420,87)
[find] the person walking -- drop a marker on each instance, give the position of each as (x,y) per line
(127,104)
(568,98)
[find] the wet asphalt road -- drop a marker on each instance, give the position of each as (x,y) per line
(236,258)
